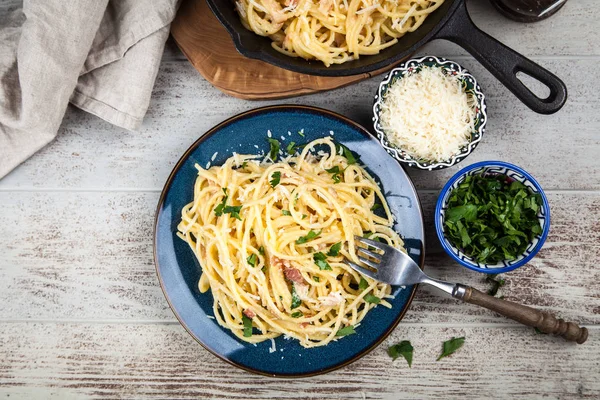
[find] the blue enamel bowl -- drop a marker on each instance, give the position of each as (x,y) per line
(513,172)
(179,271)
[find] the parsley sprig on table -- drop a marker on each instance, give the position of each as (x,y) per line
(491,218)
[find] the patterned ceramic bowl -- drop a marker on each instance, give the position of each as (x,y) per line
(470,86)
(513,172)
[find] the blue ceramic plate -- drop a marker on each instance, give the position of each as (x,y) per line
(179,271)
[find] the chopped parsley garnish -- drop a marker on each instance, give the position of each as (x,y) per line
(376,206)
(304,216)
(286,212)
(335,249)
(363,284)
(301,133)
(275,178)
(404,349)
(296,198)
(275,146)
(221,206)
(316,279)
(321,260)
(492,219)
(369,298)
(244,164)
(309,236)
(297,314)
(290,147)
(247,325)
(234,211)
(346,153)
(369,234)
(496,282)
(348,330)
(252,259)
(221,209)
(296,301)
(450,346)
(335,174)
(261,250)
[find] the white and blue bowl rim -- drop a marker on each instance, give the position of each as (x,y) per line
(397,73)
(513,172)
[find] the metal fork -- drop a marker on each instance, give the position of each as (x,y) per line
(397,268)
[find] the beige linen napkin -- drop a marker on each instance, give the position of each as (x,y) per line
(100,55)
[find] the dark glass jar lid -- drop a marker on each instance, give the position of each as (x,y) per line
(528,10)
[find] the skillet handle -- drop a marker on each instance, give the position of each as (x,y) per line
(504,63)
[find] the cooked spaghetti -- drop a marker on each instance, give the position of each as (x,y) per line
(271,238)
(333,31)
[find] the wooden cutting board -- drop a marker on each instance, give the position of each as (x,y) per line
(210,49)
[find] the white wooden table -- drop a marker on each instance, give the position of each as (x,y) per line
(82,314)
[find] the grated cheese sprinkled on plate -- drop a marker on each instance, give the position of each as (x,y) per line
(428,114)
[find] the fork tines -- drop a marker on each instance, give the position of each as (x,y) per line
(374,258)
(369,242)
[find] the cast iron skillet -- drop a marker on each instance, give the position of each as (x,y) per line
(451,22)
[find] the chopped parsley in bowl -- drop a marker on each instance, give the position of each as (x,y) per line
(492,217)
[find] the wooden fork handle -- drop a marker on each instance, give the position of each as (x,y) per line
(545,322)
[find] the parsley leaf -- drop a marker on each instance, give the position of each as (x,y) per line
(316,279)
(376,206)
(244,164)
(290,147)
(348,330)
(301,132)
(286,212)
(297,314)
(275,178)
(296,301)
(234,211)
(252,259)
(219,209)
(347,153)
(492,218)
(309,236)
(450,346)
(275,146)
(304,216)
(247,325)
(363,284)
(404,349)
(496,284)
(335,174)
(261,250)
(320,259)
(335,249)
(369,298)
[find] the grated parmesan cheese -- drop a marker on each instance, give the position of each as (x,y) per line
(428,115)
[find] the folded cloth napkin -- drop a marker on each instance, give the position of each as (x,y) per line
(100,55)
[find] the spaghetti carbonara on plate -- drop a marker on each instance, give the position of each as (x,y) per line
(333,31)
(271,238)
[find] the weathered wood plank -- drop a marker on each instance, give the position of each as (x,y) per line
(163,361)
(560,150)
(567,33)
(88,255)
